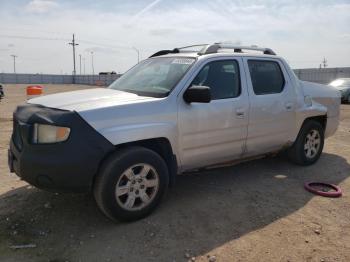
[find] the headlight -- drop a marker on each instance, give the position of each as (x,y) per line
(43,134)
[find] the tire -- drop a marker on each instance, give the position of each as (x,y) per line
(124,190)
(299,153)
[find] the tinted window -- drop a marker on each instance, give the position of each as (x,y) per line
(267,77)
(222,77)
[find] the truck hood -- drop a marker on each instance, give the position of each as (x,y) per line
(88,99)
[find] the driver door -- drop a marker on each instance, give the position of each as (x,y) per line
(215,132)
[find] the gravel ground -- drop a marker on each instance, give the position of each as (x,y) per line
(254,211)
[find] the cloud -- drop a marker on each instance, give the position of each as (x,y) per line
(162,31)
(145,9)
(299,31)
(344,36)
(40,6)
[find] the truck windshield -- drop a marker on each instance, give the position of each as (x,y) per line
(154,77)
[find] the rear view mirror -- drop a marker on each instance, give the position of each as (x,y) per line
(197,94)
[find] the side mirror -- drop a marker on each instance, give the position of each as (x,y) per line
(198,94)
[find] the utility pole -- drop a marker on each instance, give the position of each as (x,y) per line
(79,64)
(138,54)
(84,64)
(14,63)
(92,62)
(324,62)
(73,44)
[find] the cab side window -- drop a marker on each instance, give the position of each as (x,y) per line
(266,76)
(222,77)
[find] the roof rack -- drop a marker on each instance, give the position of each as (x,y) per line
(178,50)
(214,48)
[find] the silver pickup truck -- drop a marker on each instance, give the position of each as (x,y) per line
(177,111)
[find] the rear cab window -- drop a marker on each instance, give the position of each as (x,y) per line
(266,76)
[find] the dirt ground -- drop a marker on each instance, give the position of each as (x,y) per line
(254,211)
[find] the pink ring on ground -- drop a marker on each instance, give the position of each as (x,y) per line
(310,187)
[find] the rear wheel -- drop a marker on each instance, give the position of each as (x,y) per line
(308,146)
(131,184)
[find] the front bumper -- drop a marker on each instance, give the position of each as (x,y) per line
(66,166)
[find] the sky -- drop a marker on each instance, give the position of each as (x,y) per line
(38,31)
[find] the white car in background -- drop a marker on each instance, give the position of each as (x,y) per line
(343,85)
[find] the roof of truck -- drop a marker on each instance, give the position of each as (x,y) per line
(217,49)
(195,55)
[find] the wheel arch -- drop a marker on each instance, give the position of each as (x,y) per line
(161,146)
(322,119)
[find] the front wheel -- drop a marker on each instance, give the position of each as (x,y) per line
(131,184)
(308,146)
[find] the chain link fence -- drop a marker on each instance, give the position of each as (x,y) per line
(99,80)
(318,75)
(322,75)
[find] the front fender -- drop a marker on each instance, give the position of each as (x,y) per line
(137,121)
(135,132)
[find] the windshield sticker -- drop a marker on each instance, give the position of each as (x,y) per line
(183,61)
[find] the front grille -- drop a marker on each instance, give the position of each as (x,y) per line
(16,135)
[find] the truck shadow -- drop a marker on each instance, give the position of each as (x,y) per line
(203,211)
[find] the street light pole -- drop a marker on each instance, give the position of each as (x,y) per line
(84,64)
(138,54)
(92,62)
(80,64)
(14,63)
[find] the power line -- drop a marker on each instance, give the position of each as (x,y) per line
(63,39)
(33,37)
(104,45)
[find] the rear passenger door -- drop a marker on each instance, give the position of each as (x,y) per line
(272,105)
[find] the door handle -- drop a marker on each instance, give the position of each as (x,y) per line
(239,113)
(289,106)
